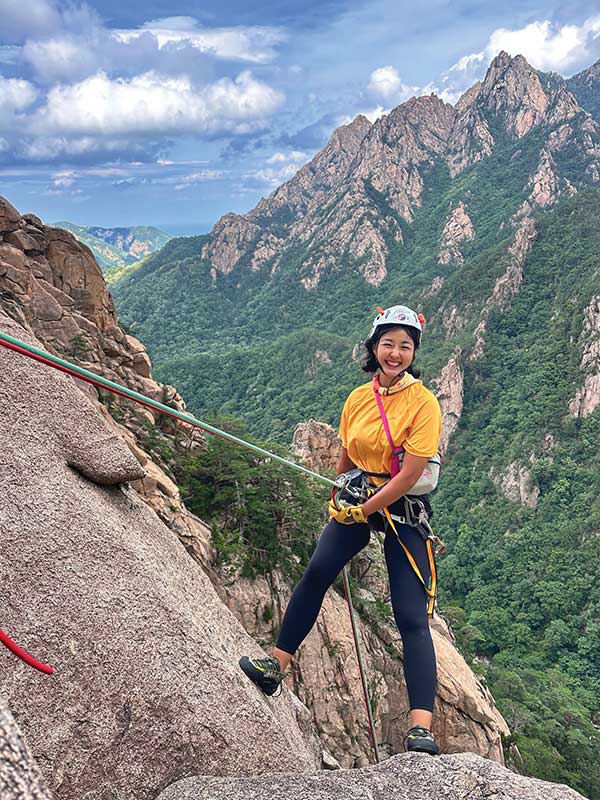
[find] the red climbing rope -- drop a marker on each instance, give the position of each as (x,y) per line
(23,655)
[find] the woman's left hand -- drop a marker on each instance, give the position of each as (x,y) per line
(347,514)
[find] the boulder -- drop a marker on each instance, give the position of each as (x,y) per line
(20,777)
(410,776)
(147,688)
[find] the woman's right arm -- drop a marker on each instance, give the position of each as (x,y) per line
(344,463)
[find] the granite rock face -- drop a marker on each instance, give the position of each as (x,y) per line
(449,390)
(147,686)
(516,483)
(404,777)
(317,444)
(458,228)
(587,396)
(20,777)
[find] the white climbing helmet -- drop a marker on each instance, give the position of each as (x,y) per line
(398,315)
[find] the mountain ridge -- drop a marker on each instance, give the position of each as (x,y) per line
(120,246)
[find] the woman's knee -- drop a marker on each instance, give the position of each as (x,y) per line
(411,621)
(317,576)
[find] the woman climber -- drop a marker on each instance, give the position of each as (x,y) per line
(394,414)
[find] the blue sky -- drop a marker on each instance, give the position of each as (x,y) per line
(172,114)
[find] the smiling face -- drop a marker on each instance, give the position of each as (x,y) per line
(394,352)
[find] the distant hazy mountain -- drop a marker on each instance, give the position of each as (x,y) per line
(117,247)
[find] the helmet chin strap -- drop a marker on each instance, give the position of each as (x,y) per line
(398,377)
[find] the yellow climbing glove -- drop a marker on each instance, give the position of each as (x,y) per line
(347,514)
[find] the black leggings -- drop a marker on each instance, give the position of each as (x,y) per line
(337,545)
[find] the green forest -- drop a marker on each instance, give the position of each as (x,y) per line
(520,585)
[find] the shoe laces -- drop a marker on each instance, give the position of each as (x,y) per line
(418,732)
(270,668)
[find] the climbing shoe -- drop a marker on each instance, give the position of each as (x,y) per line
(264,672)
(420,740)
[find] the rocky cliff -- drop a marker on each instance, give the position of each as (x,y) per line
(50,282)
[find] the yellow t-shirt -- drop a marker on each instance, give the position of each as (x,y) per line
(414,419)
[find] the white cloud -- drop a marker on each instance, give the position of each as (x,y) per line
(49,148)
(82,46)
(64,179)
(385,83)
(270,177)
(548,46)
(3,145)
(467,63)
(165,162)
(243,43)
(187,181)
(293,155)
(22,20)
(15,95)
(151,104)
(64,57)
(133,180)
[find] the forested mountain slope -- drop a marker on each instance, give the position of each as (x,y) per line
(116,247)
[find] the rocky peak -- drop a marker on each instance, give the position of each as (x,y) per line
(467,99)
(497,67)
(317,444)
(367,169)
(348,137)
(236,235)
(322,174)
(589,77)
(412,135)
(513,88)
(420,126)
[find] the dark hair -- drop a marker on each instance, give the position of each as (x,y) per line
(370,364)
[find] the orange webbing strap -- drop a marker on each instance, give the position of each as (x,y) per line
(430,590)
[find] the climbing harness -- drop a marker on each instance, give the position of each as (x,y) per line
(352,487)
(61,364)
(415,511)
(24,656)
